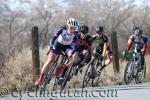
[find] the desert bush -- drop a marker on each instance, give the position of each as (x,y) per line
(17,73)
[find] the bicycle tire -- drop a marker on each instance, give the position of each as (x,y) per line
(128,76)
(138,78)
(66,77)
(95,80)
(87,79)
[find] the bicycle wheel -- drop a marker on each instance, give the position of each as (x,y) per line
(128,72)
(67,77)
(47,79)
(48,76)
(95,80)
(140,75)
(56,85)
(88,76)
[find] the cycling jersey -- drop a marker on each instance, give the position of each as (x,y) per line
(82,44)
(63,37)
(100,40)
(62,40)
(139,43)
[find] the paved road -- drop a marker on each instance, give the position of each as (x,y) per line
(124,92)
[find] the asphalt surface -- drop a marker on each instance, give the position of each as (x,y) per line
(122,92)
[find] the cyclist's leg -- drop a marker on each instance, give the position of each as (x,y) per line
(108,59)
(78,61)
(49,61)
(85,59)
(142,62)
(98,52)
(68,50)
(74,59)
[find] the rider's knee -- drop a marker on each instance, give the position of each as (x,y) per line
(52,57)
(75,55)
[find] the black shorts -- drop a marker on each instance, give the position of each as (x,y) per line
(58,47)
(99,50)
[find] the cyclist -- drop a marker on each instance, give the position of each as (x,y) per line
(63,40)
(140,42)
(102,47)
(83,49)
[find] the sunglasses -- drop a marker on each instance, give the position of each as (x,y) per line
(138,34)
(83,33)
(100,33)
(71,28)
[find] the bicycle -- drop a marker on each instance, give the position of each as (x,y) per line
(69,73)
(58,61)
(58,83)
(93,72)
(133,69)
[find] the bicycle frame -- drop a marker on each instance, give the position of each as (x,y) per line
(136,62)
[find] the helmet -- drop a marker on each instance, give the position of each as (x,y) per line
(135,28)
(84,29)
(72,22)
(99,29)
(138,32)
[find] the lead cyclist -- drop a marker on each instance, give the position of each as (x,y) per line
(63,40)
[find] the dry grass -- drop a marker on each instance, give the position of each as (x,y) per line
(108,75)
(18,73)
(148,67)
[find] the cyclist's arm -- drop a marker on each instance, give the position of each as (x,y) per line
(105,49)
(130,42)
(105,39)
(89,44)
(144,49)
(74,43)
(94,37)
(56,34)
(144,46)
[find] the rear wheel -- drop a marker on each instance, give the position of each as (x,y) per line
(140,75)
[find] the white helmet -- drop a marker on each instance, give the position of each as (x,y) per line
(72,23)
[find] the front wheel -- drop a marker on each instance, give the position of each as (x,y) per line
(46,81)
(140,75)
(90,75)
(128,73)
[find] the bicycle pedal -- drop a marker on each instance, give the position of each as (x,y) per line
(60,81)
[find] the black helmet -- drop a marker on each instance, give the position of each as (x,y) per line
(135,28)
(84,29)
(99,29)
(138,32)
